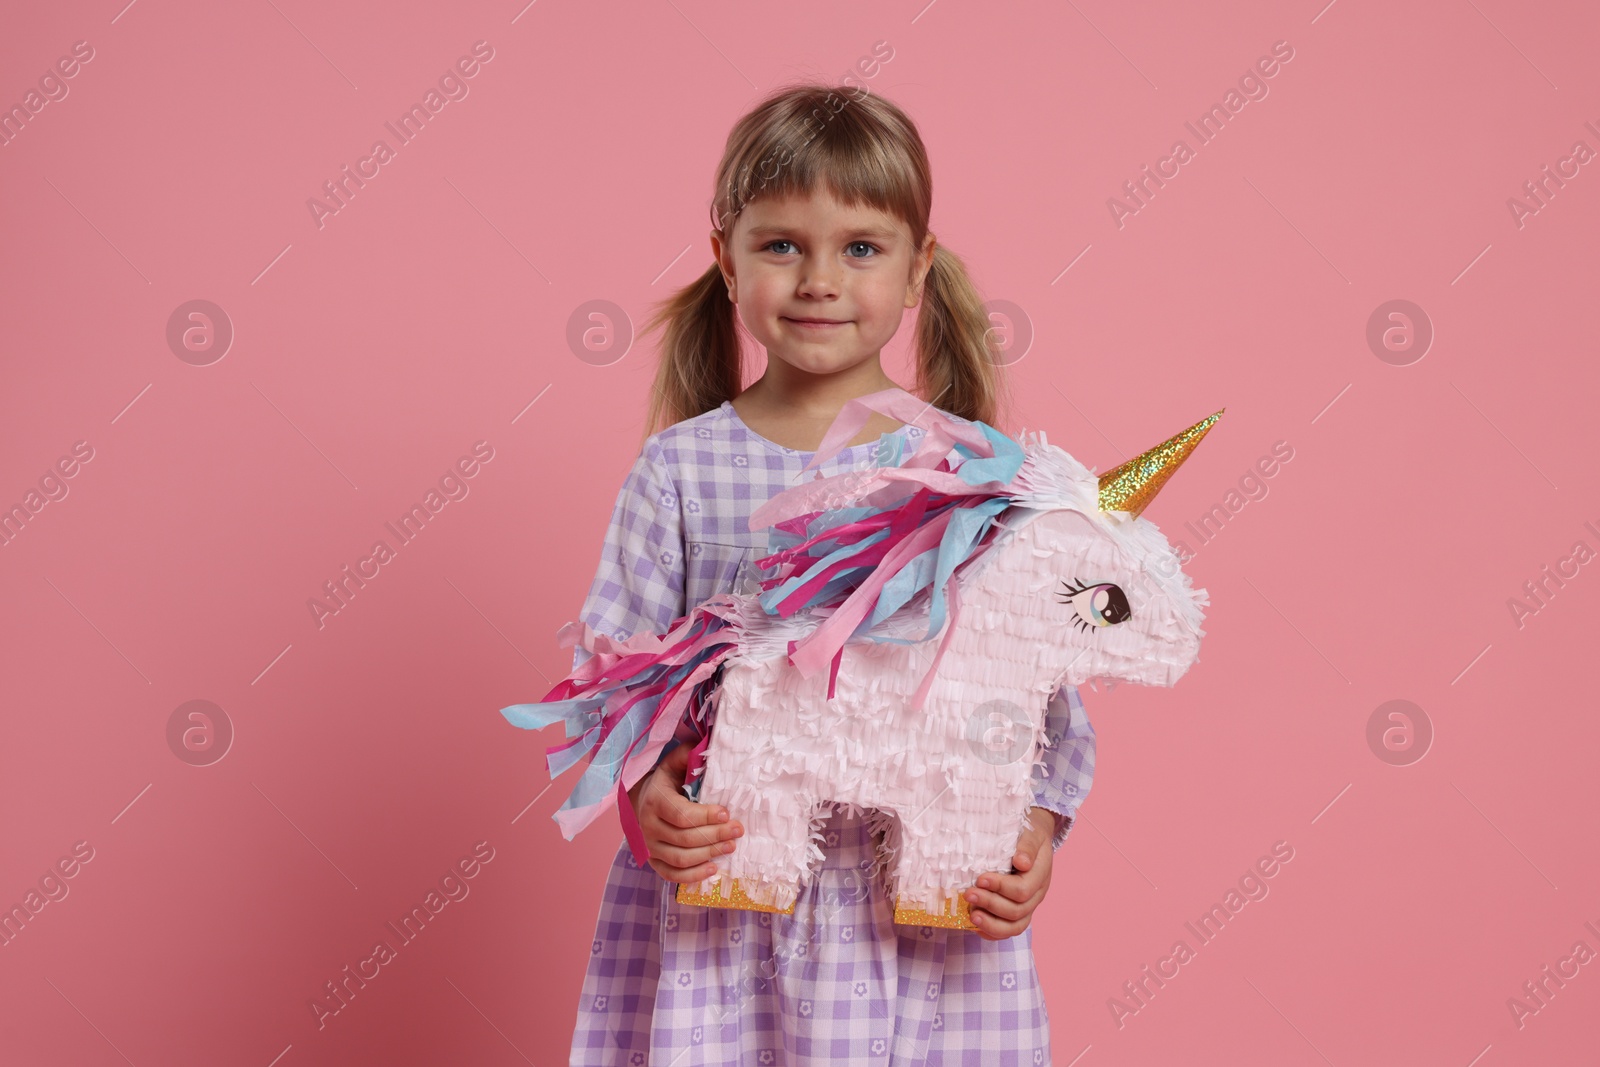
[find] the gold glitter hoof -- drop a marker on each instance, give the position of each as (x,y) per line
(736,898)
(959,919)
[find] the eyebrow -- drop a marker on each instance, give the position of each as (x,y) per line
(865,231)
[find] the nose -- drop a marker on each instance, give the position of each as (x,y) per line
(819,278)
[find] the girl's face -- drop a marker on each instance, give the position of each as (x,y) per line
(820,285)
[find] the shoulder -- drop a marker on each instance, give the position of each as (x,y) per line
(683,447)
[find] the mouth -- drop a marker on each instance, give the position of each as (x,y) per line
(816,324)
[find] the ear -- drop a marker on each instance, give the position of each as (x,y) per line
(724,258)
(919,271)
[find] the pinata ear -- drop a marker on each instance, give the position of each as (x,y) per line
(1135,483)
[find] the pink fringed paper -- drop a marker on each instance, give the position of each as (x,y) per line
(898,662)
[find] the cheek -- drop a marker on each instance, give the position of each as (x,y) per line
(882,297)
(763,291)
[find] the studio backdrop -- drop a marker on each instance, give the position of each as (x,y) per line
(322,362)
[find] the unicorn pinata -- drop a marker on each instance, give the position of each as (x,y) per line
(917,618)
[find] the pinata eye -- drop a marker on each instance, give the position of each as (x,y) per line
(1102,604)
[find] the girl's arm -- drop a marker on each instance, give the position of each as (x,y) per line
(1068,761)
(1002,902)
(639,588)
(639,585)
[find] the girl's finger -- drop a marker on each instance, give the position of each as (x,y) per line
(679,856)
(694,836)
(698,873)
(997,906)
(994,929)
(676,858)
(683,812)
(1017,887)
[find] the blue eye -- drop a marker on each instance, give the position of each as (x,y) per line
(871,249)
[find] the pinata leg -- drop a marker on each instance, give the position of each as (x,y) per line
(773,840)
(920,904)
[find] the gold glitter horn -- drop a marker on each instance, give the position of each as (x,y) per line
(1135,483)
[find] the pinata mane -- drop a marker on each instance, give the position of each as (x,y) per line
(870,526)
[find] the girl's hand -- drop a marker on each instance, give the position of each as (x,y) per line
(681,837)
(1002,904)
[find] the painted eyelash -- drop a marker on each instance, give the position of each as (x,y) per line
(1070,592)
(1066,595)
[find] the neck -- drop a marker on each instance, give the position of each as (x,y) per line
(818,396)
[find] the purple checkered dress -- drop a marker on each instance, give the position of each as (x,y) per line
(675,985)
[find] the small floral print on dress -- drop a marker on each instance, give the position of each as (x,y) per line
(766,1056)
(938,1020)
(692,506)
(1038,1055)
(740,461)
(696,1034)
(1008,980)
(860,989)
(764,919)
(702,431)
(672,922)
(594,949)
(736,935)
(600,1003)
(878,1046)
(847,934)
(637,1059)
(805,1007)
(933,991)
(684,978)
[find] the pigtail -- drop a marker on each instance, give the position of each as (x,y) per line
(699,364)
(958,357)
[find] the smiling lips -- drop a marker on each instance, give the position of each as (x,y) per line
(817,324)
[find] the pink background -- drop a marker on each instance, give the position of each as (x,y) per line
(368,755)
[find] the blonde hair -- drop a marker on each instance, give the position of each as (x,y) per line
(868,152)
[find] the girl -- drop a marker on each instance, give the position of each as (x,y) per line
(821,241)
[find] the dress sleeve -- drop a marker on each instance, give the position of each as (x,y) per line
(1066,765)
(639,586)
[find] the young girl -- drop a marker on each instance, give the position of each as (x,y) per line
(821,241)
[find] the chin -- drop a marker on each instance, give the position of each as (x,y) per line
(818,366)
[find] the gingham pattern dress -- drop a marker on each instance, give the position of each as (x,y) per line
(674,985)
